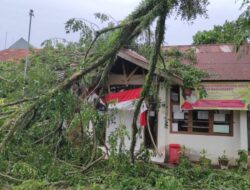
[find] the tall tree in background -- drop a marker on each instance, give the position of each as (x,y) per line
(227,33)
(237,32)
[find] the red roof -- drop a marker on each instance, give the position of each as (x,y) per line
(221,61)
(12,54)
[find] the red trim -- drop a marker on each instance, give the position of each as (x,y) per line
(186,106)
(221,104)
(122,96)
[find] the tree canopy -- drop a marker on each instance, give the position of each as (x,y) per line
(236,32)
(227,33)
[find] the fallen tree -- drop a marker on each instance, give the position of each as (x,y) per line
(139,20)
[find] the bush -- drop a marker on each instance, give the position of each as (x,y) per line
(168,183)
(32,185)
(242,161)
(24,171)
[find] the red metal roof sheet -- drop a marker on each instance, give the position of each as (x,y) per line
(12,54)
(221,61)
(15,54)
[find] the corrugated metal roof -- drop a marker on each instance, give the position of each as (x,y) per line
(12,54)
(142,62)
(134,55)
(221,61)
(20,44)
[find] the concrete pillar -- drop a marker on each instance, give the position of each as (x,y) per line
(162,131)
(243,130)
(161,136)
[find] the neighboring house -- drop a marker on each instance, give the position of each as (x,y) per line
(221,120)
(15,52)
(12,54)
(20,44)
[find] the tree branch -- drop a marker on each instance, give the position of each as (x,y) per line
(22,121)
(122,37)
(51,133)
(98,34)
(89,165)
(1,78)
(10,177)
(18,102)
(159,37)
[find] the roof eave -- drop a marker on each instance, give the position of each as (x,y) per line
(174,78)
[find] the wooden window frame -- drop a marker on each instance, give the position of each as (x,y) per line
(210,124)
(190,121)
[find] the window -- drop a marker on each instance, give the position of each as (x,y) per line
(222,121)
(219,122)
(200,122)
(180,119)
(207,122)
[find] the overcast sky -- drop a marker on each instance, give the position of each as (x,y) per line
(50,16)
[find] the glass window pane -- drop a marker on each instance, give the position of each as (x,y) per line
(221,129)
(200,121)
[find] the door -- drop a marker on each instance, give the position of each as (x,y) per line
(248,129)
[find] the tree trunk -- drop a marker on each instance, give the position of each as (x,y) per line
(159,35)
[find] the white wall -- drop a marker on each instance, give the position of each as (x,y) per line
(125,118)
(243,131)
(162,128)
(214,145)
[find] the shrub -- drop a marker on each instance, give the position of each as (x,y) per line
(32,185)
(168,183)
(24,171)
(242,160)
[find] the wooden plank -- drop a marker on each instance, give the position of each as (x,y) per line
(124,73)
(231,126)
(190,121)
(115,79)
(132,73)
(145,65)
(210,121)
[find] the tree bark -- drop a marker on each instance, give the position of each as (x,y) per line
(159,37)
